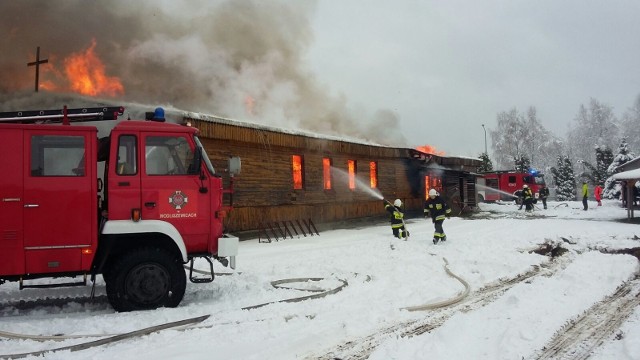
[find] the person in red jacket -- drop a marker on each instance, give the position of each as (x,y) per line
(597,192)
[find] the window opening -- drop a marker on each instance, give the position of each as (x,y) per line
(352,167)
(326,173)
(432,182)
(373,174)
(296,166)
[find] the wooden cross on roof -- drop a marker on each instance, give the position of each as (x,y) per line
(37,65)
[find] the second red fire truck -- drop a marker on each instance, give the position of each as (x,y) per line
(505,185)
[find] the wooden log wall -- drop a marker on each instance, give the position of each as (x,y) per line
(264,189)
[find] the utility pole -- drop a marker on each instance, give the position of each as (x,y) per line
(485,140)
(37,65)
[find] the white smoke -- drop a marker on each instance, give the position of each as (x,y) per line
(239,59)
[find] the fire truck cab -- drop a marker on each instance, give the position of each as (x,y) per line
(135,206)
(507,185)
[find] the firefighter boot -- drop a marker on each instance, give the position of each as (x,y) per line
(444,238)
(435,240)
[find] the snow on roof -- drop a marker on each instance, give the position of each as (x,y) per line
(222,120)
(628,175)
(632,161)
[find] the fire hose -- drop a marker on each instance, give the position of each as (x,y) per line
(447,302)
(181,324)
(190,322)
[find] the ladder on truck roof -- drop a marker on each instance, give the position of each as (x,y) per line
(64,116)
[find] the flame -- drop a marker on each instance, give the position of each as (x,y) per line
(373,174)
(351,167)
(296,162)
(326,173)
(428,149)
(86,74)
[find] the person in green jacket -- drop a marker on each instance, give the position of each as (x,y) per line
(585,194)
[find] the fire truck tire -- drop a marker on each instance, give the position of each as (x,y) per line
(146,278)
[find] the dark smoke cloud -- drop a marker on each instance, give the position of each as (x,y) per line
(213,57)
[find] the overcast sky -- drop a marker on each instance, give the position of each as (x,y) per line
(399,73)
(447,67)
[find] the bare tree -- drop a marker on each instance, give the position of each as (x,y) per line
(596,125)
(505,140)
(518,136)
(630,126)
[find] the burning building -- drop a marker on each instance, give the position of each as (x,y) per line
(240,59)
(296,175)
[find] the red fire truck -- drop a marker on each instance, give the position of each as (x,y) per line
(506,185)
(135,206)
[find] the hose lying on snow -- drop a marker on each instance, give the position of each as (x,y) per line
(444,303)
(112,339)
(186,323)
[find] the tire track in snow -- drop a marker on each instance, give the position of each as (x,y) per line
(581,336)
(361,349)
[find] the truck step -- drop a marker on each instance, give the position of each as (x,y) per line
(201,279)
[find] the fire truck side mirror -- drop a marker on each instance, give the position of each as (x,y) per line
(234,165)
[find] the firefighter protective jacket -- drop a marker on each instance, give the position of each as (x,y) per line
(544,193)
(437,208)
(526,193)
(396,215)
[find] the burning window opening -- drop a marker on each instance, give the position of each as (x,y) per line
(296,163)
(351,166)
(373,174)
(326,173)
(432,182)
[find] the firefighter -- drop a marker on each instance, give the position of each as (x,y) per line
(438,209)
(544,194)
(397,219)
(527,196)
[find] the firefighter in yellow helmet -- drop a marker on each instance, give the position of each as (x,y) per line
(438,209)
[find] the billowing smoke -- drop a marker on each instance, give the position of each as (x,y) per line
(240,59)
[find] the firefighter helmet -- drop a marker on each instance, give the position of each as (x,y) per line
(397,202)
(433,192)
(525,186)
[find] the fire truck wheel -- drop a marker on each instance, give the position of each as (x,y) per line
(146,278)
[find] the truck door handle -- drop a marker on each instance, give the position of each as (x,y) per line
(150,204)
(31,205)
(124,183)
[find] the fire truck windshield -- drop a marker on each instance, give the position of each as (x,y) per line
(205,157)
(539,179)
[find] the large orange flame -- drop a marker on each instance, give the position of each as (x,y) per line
(428,149)
(86,74)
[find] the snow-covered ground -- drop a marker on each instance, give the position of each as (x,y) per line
(520,304)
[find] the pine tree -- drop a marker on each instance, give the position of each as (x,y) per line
(598,174)
(612,188)
(564,179)
(486,165)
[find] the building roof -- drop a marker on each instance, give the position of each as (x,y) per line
(628,175)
